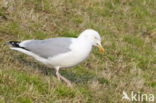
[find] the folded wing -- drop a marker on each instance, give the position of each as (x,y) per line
(49,47)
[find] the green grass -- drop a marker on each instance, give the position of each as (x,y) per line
(128,35)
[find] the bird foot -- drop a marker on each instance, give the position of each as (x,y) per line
(65,80)
(59,76)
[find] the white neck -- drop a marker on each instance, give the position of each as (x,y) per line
(85,39)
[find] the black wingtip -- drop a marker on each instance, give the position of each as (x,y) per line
(14,43)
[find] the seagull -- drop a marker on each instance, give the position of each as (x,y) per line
(60,52)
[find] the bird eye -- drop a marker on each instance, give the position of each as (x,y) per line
(95,38)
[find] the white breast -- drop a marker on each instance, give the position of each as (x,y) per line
(80,50)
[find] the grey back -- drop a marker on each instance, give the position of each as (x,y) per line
(49,47)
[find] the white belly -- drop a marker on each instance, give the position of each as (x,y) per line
(77,54)
(68,59)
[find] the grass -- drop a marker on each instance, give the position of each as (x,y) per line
(128,35)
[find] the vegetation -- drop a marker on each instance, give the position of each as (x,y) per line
(128,31)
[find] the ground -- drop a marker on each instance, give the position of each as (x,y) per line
(128,31)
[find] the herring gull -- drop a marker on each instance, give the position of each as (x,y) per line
(60,52)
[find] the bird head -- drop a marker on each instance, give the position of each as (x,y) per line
(94,37)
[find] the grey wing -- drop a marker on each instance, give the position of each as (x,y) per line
(49,47)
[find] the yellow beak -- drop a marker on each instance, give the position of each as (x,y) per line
(100,48)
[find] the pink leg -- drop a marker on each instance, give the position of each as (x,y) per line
(66,80)
(57,73)
(59,76)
